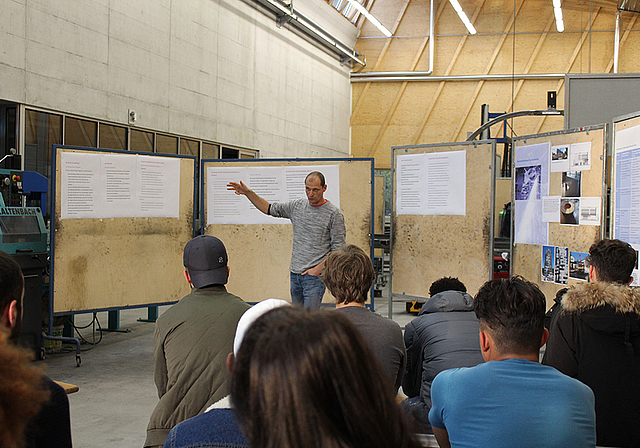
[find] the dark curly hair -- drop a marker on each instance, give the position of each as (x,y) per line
(613,260)
(446,284)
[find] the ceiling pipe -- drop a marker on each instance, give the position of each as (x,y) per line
(287,15)
(420,76)
(377,76)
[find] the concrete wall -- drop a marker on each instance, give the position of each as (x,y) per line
(213,69)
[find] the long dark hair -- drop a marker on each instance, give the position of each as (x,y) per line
(310,380)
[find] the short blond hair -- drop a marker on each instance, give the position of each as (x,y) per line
(348,274)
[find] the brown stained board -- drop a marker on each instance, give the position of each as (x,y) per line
(259,254)
(378,214)
(118,262)
(426,248)
(527,258)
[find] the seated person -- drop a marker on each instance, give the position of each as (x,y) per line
(511,400)
(348,274)
(311,381)
(192,340)
(217,426)
(21,393)
(595,338)
(443,336)
(51,427)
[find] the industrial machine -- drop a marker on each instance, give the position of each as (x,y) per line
(23,235)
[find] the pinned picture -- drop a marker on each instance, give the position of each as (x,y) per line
(579,266)
(560,158)
(571,184)
(570,211)
(548,257)
(562,265)
(528,180)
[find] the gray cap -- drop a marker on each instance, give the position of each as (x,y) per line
(205,258)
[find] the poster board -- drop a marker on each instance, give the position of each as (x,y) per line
(259,254)
(428,247)
(527,259)
(110,263)
(625,180)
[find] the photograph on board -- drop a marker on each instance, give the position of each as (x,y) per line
(578,266)
(562,265)
(548,256)
(571,184)
(570,211)
(528,180)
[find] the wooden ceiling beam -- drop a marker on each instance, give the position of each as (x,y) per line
(487,69)
(576,51)
(436,96)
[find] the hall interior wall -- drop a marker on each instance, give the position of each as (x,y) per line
(217,70)
(386,114)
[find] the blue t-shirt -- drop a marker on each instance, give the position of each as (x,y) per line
(513,403)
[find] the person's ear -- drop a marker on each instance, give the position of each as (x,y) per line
(545,337)
(324,188)
(485,342)
(593,278)
(187,277)
(11,314)
(230,361)
(630,280)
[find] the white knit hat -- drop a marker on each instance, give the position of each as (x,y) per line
(249,317)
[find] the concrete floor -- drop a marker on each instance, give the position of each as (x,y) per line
(117,393)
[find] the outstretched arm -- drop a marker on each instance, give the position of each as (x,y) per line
(257,201)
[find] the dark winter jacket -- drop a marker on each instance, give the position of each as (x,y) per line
(596,339)
(443,336)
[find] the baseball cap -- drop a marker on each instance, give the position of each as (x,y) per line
(250,316)
(205,258)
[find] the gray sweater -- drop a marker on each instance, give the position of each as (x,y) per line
(384,336)
(317,230)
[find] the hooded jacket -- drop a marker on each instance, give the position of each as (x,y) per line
(443,336)
(595,338)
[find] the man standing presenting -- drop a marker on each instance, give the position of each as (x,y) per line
(192,340)
(511,400)
(318,228)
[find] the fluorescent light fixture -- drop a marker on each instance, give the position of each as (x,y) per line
(557,11)
(370,18)
(463,16)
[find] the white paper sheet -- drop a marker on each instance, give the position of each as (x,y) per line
(120,180)
(159,194)
(580,156)
(531,185)
(560,159)
(411,184)
(225,206)
(81,195)
(590,211)
(274,184)
(551,209)
(626,225)
(432,184)
(446,183)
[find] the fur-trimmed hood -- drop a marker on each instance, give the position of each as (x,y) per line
(606,308)
(586,296)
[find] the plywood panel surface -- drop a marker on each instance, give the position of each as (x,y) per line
(527,258)
(259,254)
(426,248)
(120,262)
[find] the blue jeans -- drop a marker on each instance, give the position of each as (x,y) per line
(306,290)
